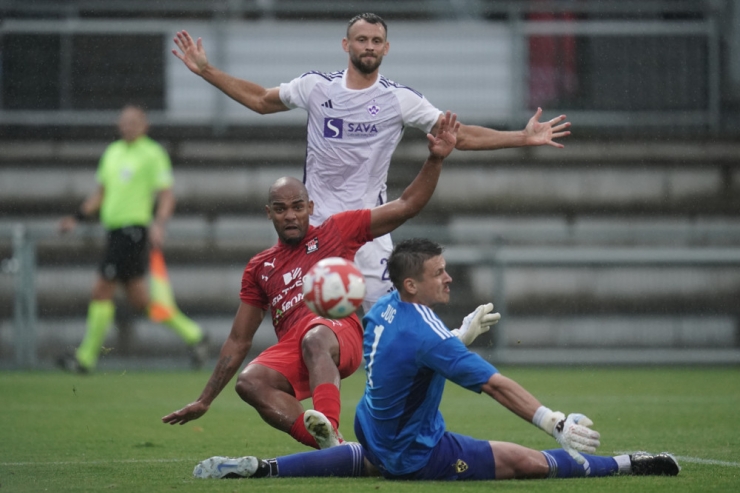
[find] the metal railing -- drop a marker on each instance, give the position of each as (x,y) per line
(22,266)
(332,9)
(693,76)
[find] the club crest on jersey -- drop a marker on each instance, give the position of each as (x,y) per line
(333,128)
(312,245)
(373,109)
(126,172)
(460,466)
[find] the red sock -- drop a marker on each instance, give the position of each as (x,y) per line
(301,434)
(326,400)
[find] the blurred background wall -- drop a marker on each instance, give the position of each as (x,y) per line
(620,248)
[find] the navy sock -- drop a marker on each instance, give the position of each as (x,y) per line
(341,461)
(562,465)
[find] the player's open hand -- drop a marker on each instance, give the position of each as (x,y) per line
(541,133)
(575,435)
(192,411)
(442,145)
(192,54)
(476,323)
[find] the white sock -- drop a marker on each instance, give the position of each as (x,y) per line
(624,464)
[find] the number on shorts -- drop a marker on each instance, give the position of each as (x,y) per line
(385,276)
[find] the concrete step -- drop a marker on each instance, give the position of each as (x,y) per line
(484,187)
(197,146)
(214,289)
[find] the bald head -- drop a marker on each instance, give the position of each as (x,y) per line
(289,209)
(286,186)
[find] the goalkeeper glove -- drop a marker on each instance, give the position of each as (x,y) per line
(572,433)
(476,323)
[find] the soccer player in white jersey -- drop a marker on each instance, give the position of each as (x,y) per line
(356,118)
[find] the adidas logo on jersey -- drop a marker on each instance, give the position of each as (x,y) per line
(327,104)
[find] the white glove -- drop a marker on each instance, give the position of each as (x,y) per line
(572,433)
(476,323)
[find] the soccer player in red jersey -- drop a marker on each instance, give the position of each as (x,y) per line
(313,353)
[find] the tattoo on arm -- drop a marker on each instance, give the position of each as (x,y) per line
(221,375)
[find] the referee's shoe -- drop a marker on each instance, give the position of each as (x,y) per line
(200,352)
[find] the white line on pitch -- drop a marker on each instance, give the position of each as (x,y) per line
(694,460)
(71,462)
(713,462)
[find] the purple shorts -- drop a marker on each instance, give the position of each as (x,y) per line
(455,458)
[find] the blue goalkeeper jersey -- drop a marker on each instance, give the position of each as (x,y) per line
(409,354)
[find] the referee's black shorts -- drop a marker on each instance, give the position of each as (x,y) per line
(126,254)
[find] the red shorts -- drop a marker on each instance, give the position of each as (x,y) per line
(286,356)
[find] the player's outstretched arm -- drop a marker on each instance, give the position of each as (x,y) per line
(233,352)
(572,433)
(388,217)
(536,133)
(249,94)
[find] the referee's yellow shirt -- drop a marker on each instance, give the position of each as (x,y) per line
(131,175)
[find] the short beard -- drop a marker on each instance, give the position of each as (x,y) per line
(292,241)
(365,69)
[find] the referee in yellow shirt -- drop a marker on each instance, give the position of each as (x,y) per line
(132,173)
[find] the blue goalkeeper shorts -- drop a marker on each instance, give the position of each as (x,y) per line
(454,458)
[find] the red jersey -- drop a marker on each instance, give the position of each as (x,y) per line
(274,278)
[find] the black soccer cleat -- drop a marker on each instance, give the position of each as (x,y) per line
(662,464)
(200,352)
(70,364)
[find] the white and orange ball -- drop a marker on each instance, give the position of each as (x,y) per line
(334,288)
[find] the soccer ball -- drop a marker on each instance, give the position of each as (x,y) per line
(334,288)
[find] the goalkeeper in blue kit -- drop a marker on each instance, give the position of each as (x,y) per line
(409,355)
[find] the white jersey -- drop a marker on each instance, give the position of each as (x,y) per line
(352,135)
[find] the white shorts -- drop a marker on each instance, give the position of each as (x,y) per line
(372,260)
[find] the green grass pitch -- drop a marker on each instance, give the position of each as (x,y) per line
(103,432)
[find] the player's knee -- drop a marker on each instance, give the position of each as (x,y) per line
(249,389)
(103,289)
(514,461)
(319,344)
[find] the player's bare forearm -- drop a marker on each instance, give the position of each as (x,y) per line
(226,367)
(253,96)
(475,138)
(235,349)
(536,133)
(512,396)
(391,215)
